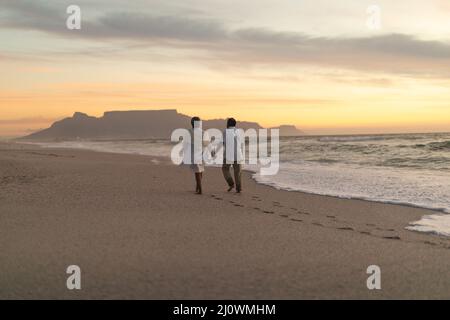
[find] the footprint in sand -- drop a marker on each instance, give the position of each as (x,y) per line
(346,228)
(392,238)
(381,229)
(48,154)
(317,224)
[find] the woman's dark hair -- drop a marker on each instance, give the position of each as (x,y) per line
(231,122)
(193,120)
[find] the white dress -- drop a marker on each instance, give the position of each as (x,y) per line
(191,153)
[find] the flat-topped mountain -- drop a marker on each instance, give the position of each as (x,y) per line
(134,124)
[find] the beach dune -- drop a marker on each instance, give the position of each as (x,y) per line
(137,231)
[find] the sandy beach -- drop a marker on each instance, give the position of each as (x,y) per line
(137,230)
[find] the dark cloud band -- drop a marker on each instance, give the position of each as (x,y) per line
(394,53)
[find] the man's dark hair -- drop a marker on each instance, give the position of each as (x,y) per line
(193,120)
(231,122)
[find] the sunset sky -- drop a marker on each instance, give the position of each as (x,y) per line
(312,63)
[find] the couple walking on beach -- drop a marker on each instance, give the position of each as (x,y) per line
(232,156)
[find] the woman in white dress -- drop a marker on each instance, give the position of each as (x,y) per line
(197,152)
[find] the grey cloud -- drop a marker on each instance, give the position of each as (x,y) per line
(399,44)
(132,25)
(392,53)
(25,14)
(395,44)
(395,53)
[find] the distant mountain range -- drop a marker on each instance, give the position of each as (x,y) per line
(132,125)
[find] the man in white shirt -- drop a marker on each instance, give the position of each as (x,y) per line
(233,155)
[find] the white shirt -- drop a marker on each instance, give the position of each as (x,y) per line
(234,138)
(192,149)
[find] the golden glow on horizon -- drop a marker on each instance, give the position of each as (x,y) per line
(304,103)
(340,110)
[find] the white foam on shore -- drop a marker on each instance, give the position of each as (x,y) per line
(438,224)
(426,189)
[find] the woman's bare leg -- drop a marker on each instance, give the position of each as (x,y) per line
(198,180)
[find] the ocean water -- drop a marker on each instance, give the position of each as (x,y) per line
(408,169)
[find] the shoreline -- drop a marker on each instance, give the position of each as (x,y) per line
(437,211)
(137,230)
(393,203)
